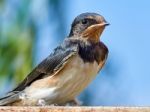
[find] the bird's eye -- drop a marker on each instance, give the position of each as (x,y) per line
(84,21)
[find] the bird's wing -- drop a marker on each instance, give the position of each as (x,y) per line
(47,67)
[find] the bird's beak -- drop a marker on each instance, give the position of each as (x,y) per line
(93,32)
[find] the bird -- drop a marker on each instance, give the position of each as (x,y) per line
(68,70)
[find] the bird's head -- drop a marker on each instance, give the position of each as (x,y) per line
(88,26)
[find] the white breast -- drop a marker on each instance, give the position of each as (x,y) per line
(76,75)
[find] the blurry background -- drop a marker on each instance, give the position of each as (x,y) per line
(31,29)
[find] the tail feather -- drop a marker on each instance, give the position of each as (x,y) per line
(10,98)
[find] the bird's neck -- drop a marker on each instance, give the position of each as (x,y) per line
(88,51)
(93,52)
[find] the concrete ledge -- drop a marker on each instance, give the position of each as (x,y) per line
(74,109)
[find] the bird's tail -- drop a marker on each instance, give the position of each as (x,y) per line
(9,98)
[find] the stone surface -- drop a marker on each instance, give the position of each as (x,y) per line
(74,109)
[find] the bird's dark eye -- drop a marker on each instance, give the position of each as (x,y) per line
(84,21)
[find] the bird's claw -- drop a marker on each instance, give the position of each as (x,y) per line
(41,102)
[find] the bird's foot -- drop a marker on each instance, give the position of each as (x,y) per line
(54,104)
(41,102)
(74,102)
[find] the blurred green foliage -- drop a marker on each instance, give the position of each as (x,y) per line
(16,42)
(17,36)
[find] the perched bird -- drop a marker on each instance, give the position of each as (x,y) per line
(68,70)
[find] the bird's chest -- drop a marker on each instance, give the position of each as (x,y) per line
(76,69)
(75,76)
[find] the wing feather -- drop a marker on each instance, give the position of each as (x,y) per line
(46,68)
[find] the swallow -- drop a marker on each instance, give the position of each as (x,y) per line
(67,71)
